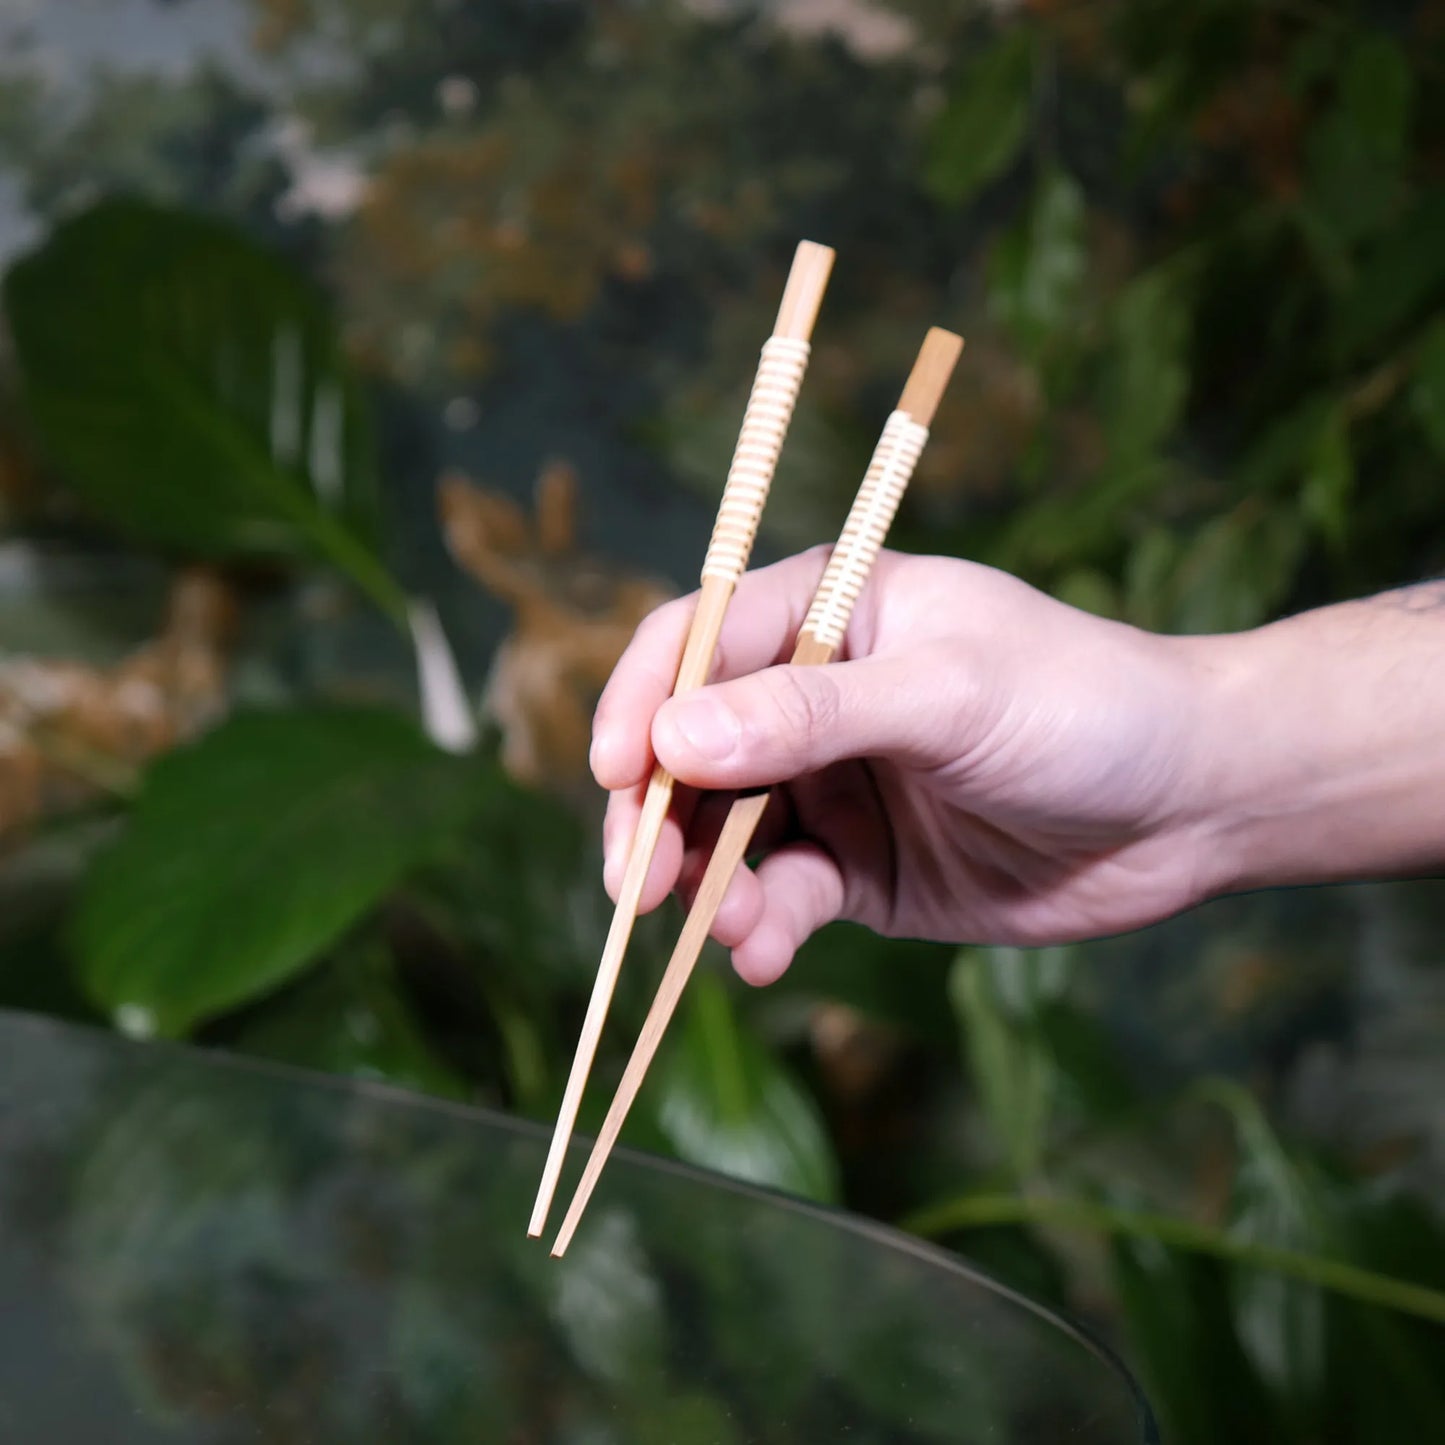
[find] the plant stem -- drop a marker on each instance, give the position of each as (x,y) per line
(980,1210)
(356,561)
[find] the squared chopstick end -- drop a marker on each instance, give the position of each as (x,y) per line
(803,295)
(930,375)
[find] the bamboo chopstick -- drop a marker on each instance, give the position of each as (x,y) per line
(765,423)
(902,441)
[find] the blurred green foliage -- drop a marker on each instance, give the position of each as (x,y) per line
(1199,253)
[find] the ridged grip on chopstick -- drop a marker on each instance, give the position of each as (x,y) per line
(776,385)
(894,458)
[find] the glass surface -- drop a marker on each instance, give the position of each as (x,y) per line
(195,1248)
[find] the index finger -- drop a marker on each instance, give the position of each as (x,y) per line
(759,629)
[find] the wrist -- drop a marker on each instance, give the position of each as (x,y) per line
(1315,751)
(1252,786)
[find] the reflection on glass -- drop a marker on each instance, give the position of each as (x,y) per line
(221,1252)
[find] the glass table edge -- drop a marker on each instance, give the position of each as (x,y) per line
(874,1231)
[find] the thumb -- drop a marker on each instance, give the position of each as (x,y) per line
(785,721)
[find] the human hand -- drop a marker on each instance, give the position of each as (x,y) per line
(981,764)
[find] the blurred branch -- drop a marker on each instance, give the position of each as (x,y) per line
(980,1211)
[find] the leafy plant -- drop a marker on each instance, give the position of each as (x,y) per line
(191,388)
(319,883)
(213,895)
(1199,253)
(724,1102)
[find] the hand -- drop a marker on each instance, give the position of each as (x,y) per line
(981,764)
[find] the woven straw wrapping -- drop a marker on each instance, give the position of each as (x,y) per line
(765,423)
(894,459)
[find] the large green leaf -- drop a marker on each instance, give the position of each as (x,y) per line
(1038,269)
(727,1104)
(190,387)
(253,850)
(983,126)
(998,996)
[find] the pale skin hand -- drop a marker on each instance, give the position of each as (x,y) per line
(984,764)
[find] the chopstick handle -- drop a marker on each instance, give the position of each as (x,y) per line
(894,458)
(776,384)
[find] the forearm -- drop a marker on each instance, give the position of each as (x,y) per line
(1322,745)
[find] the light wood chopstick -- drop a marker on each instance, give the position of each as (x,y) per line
(894,458)
(765,423)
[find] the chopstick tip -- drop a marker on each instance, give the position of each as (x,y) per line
(930,375)
(803,295)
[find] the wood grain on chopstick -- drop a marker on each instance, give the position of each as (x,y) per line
(902,441)
(765,423)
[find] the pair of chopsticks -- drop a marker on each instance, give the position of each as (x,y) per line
(765,422)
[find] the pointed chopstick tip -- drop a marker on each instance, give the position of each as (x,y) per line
(930,375)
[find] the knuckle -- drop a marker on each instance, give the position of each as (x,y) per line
(817,558)
(805,708)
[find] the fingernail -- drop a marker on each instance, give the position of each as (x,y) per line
(708,728)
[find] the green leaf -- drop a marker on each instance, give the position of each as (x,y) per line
(1355,154)
(1175,1313)
(1148,382)
(1236,570)
(1329,480)
(351,1018)
(727,1104)
(1180,1313)
(997,997)
(191,389)
(253,850)
(1384,1367)
(1401,277)
(983,126)
(1280,1322)
(1281,455)
(1037,271)
(1427,392)
(1148,578)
